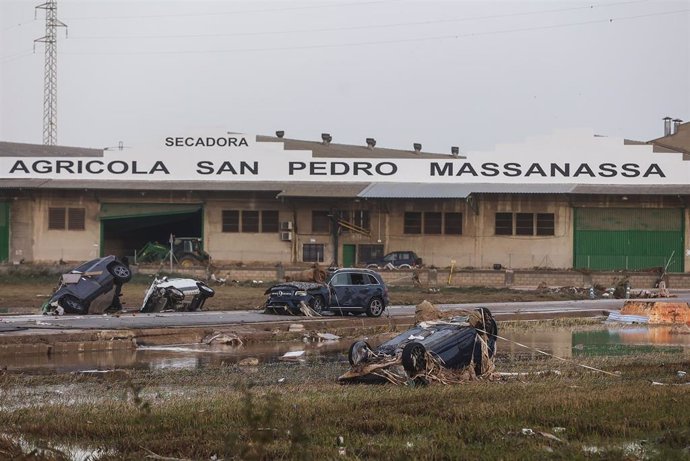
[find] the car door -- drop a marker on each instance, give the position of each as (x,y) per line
(342,290)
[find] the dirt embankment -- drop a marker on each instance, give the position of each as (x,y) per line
(28,295)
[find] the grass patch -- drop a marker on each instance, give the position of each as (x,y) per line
(297,411)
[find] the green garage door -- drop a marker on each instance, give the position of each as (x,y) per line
(626,238)
(4,231)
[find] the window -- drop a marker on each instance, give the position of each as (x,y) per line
(231,221)
(250,221)
(432,222)
(357,218)
(66,218)
(320,222)
(504,223)
(412,223)
(312,252)
(453,224)
(525,224)
(358,279)
(269,221)
(545,224)
(369,253)
(340,280)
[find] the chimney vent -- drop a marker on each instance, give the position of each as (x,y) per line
(417,147)
(676,123)
(455,151)
(371,142)
(280,133)
(667,126)
(326,138)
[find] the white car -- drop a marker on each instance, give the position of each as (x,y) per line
(176,294)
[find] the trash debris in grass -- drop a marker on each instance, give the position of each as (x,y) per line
(293,356)
(230,339)
(249,362)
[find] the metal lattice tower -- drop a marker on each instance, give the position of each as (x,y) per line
(50,71)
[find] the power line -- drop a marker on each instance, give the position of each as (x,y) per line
(397,41)
(364,27)
(266,10)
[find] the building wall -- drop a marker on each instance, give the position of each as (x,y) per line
(478,246)
(67,245)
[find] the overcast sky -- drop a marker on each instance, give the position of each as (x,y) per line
(442,73)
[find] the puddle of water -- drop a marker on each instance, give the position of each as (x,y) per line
(611,341)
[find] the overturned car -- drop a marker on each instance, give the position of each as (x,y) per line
(96,283)
(450,350)
(176,294)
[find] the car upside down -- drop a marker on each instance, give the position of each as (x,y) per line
(451,350)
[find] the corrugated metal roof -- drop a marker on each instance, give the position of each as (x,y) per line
(322,189)
(102,184)
(611,189)
(419,190)
(320,149)
(15,149)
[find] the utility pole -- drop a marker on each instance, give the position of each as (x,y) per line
(50,71)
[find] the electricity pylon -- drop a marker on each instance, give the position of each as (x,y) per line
(50,71)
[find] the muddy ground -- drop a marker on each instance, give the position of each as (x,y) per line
(26,294)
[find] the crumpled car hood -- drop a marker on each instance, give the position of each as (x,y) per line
(298,285)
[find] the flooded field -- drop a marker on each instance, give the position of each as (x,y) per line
(561,342)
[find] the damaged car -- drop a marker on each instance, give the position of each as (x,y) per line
(344,291)
(456,349)
(88,285)
(176,294)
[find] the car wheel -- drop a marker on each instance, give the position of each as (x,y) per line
(372,266)
(414,358)
(206,290)
(174,294)
(317,304)
(404,266)
(359,352)
(375,307)
(120,272)
(187,261)
(72,305)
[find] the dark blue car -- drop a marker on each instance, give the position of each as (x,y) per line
(396,260)
(454,342)
(345,290)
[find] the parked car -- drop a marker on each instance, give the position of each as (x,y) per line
(78,289)
(453,342)
(396,260)
(345,290)
(176,294)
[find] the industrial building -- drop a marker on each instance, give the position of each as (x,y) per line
(571,199)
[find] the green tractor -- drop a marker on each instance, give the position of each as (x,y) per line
(187,252)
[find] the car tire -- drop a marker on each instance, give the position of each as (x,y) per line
(375,307)
(72,305)
(404,266)
(414,358)
(372,266)
(120,273)
(317,304)
(359,352)
(174,294)
(207,291)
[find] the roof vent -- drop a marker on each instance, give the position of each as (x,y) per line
(326,138)
(280,133)
(417,147)
(371,142)
(667,126)
(676,123)
(454,151)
